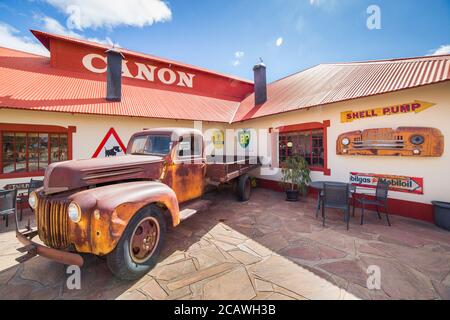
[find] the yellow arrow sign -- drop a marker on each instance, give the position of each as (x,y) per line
(416,106)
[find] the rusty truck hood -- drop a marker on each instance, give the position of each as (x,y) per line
(75,174)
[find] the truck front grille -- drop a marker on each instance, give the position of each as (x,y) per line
(52,222)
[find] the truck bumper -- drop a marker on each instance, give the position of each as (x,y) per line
(33,249)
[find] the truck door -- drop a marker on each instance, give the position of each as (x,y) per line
(189,169)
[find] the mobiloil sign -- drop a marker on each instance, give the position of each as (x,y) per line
(396,183)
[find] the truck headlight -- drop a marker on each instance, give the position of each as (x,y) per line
(345,141)
(33,200)
(74,212)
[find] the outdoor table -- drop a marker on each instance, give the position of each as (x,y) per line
(318,185)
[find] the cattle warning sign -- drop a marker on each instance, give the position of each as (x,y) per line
(110,146)
(396,183)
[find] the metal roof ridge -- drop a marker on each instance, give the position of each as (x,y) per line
(388,60)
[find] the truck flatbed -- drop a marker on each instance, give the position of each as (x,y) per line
(222,169)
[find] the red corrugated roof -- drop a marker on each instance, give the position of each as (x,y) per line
(329,83)
(28,82)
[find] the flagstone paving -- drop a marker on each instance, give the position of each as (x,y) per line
(266,248)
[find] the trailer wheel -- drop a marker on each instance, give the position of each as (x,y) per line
(244,186)
(138,249)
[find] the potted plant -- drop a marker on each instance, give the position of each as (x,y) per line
(295,177)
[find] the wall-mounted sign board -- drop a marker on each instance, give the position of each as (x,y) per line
(410,107)
(110,146)
(404,141)
(396,183)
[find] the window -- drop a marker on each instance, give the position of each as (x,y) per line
(190,146)
(306,139)
(27,150)
(308,144)
(31,152)
(151,144)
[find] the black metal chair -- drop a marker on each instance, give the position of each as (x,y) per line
(23,198)
(352,190)
(336,196)
(380,201)
(8,203)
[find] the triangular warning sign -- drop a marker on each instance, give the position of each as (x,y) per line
(111,146)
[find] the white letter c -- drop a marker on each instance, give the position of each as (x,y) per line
(87,62)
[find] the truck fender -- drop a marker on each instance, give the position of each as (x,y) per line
(116,205)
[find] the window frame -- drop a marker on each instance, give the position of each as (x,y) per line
(308,127)
(39,129)
(192,156)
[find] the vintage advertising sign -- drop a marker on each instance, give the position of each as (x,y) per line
(218,139)
(111,146)
(396,183)
(96,63)
(244,137)
(410,107)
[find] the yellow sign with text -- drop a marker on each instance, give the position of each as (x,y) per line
(412,107)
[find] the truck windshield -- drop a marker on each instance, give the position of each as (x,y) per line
(151,145)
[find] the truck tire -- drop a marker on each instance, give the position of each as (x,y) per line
(244,188)
(138,249)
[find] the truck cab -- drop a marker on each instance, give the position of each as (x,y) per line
(120,207)
(183,151)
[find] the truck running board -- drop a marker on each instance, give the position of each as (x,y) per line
(193,207)
(187,213)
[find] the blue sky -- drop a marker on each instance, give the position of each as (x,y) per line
(231,35)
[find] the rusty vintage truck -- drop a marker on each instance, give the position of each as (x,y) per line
(120,207)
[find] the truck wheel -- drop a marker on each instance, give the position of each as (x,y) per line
(244,187)
(138,249)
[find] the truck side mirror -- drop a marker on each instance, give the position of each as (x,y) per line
(168,159)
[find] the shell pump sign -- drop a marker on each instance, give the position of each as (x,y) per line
(396,183)
(415,106)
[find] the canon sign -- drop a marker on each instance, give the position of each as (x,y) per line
(144,71)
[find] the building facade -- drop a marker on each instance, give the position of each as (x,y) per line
(357,122)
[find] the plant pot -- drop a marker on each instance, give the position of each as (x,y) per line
(442,214)
(292,195)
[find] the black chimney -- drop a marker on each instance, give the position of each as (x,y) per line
(260,83)
(114,75)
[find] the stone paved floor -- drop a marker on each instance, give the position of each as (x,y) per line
(264,249)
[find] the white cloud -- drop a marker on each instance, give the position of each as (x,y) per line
(279,42)
(82,14)
(318,3)
(53,26)
(11,38)
(238,55)
(444,49)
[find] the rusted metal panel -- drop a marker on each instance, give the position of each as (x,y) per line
(83,173)
(51,217)
(404,141)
